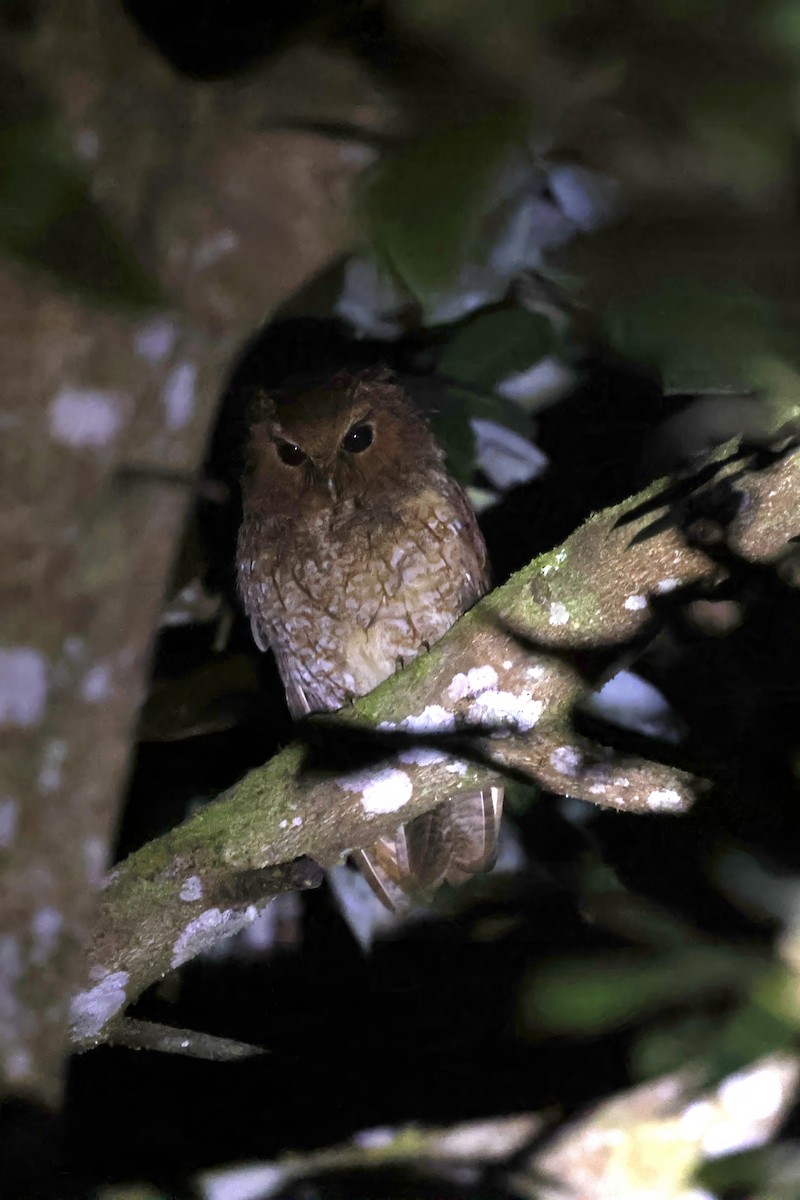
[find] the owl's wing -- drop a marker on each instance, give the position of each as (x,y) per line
(258,637)
(384,865)
(474,830)
(452,842)
(296,698)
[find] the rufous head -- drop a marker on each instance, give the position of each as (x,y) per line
(320,442)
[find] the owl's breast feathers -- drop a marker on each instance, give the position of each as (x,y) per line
(346,600)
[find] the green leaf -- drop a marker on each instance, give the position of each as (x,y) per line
(589,995)
(669,1047)
(454,434)
(423,207)
(703,301)
(749,1169)
(766,1173)
(696,337)
(495,344)
(482,351)
(751,1032)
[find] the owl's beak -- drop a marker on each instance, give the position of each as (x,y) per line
(323,480)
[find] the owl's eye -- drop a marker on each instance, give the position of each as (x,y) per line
(292,455)
(358,438)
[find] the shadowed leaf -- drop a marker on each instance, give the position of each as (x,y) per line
(424,207)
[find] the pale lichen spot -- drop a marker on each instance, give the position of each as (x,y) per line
(667,585)
(757,1094)
(245,1182)
(696,1119)
(380,791)
(9,816)
(96,685)
(92,1009)
(636,603)
(87,144)
(74,647)
(155,339)
(567,760)
(215,247)
(178,395)
(23,686)
(559,558)
(421,756)
(505,711)
(558,614)
(85,417)
(749,1105)
(209,928)
(95,855)
(46,924)
(472,683)
(297,822)
(51,771)
(457,767)
(192,889)
(665,800)
(432,719)
(18,1065)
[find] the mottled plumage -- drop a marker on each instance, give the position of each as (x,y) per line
(357,552)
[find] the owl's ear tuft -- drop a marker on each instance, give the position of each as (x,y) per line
(370,376)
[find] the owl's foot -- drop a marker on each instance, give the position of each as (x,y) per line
(449,844)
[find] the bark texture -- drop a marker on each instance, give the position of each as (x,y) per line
(106,417)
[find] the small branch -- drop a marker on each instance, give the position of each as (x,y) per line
(495,695)
(151,1035)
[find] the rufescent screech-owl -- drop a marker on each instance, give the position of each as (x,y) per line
(357,552)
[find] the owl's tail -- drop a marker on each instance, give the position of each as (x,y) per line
(449,844)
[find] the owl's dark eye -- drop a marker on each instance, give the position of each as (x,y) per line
(292,455)
(358,438)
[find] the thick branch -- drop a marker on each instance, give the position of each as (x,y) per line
(188,1043)
(482,702)
(107,415)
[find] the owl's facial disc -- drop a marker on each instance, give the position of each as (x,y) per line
(334,444)
(327,462)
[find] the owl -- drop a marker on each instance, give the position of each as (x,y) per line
(356,553)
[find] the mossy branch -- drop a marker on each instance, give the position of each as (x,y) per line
(496,695)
